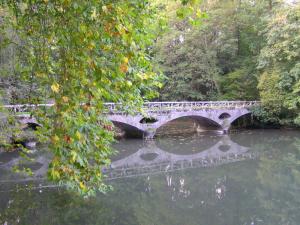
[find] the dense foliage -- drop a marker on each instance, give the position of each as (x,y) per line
(279,62)
(82,53)
(79,55)
(243,50)
(216,60)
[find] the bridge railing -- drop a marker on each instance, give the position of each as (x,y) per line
(186,106)
(169,166)
(154,106)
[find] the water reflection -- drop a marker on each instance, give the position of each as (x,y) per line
(149,159)
(263,190)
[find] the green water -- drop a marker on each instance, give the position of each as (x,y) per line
(246,178)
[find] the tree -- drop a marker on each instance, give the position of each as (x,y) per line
(216,60)
(83,54)
(189,66)
(279,64)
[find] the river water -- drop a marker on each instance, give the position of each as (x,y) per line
(247,178)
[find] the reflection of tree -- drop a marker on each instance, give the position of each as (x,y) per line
(279,192)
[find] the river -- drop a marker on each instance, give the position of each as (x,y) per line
(250,177)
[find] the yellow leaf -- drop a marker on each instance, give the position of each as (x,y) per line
(55,87)
(55,174)
(94,14)
(55,139)
(199,13)
(82,186)
(65,99)
(40,74)
(125,60)
(78,135)
(104,8)
(74,156)
(91,45)
(129,83)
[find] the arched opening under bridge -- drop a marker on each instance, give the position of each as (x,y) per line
(32,126)
(188,125)
(126,130)
(244,121)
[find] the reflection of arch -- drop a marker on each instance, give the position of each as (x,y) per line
(135,159)
(148,156)
(193,143)
(224,148)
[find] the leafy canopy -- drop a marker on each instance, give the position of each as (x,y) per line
(279,63)
(83,54)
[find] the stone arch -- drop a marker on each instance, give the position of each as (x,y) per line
(176,116)
(148,120)
(32,125)
(130,129)
(236,117)
(224,115)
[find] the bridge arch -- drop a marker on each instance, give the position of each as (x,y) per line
(129,129)
(238,116)
(224,115)
(198,116)
(32,125)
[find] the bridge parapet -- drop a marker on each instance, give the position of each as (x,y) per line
(153,106)
(166,107)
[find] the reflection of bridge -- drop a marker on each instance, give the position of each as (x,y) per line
(155,114)
(152,160)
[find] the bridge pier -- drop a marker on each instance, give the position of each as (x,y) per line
(149,133)
(225,131)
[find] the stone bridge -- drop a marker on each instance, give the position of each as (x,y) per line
(153,115)
(156,114)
